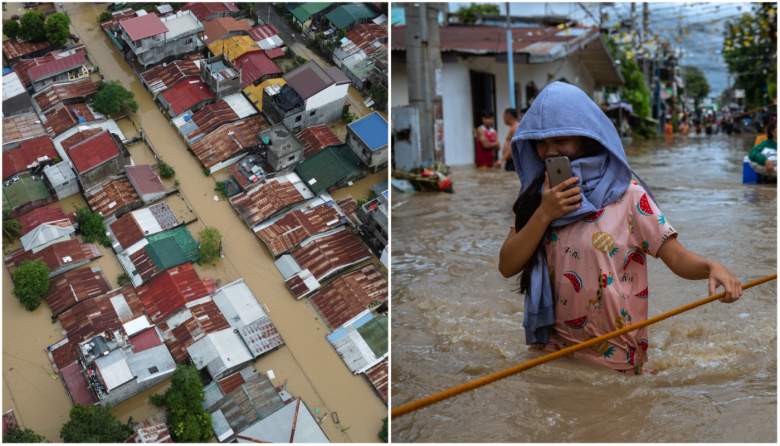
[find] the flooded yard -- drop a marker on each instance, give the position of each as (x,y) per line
(455,318)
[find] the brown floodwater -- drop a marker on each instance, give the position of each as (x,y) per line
(307,365)
(455,318)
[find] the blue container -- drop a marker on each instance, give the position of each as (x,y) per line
(749,176)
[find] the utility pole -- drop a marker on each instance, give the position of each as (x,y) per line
(510,58)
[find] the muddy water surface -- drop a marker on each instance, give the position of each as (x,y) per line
(455,318)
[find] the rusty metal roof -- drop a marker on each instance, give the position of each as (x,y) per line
(229,140)
(298,225)
(75,286)
(327,255)
(57,255)
(211,117)
(364,35)
(126,230)
(113,196)
(350,208)
(204,10)
(162,77)
(218,28)
(51,214)
(23,66)
(264,200)
(171,290)
(62,117)
(186,94)
(56,66)
(22,127)
(378,377)
(20,158)
(14,49)
(205,318)
(317,138)
(56,93)
(349,295)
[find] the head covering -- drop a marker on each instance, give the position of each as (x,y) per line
(562,109)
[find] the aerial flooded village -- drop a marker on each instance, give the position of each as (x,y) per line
(195,222)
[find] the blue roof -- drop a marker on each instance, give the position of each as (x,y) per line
(372,130)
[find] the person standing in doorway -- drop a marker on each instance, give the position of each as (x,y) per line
(486,141)
(512,120)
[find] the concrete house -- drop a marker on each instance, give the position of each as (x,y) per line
(221,78)
(62,179)
(97,158)
(474,73)
(367,137)
(69,68)
(283,149)
(312,95)
(152,39)
(16,100)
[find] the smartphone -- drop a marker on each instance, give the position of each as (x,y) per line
(558,169)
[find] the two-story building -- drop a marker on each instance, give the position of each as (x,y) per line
(69,68)
(367,137)
(152,39)
(312,95)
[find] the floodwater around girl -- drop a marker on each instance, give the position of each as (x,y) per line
(455,318)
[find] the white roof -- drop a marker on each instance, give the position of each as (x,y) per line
(294,420)
(136,325)
(237,303)
(121,307)
(12,86)
(270,42)
(114,369)
(287,266)
(59,173)
(143,364)
(219,351)
(147,221)
(44,234)
(241,105)
(183,22)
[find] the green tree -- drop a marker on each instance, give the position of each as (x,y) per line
(92,227)
(31,28)
(166,171)
(183,401)
(210,244)
(104,17)
(470,14)
(31,283)
(12,229)
(22,435)
(383,432)
(94,424)
(57,29)
(123,279)
(696,85)
(379,95)
(750,53)
(114,100)
(11,28)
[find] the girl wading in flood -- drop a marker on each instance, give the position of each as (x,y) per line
(581,245)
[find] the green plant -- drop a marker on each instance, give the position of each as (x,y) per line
(346,116)
(123,279)
(166,171)
(57,28)
(114,100)
(12,229)
(104,17)
(379,94)
(221,189)
(94,424)
(11,28)
(210,246)
(22,435)
(183,401)
(383,432)
(206,171)
(31,283)
(31,27)
(470,14)
(696,85)
(92,227)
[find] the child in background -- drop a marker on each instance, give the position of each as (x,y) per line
(581,245)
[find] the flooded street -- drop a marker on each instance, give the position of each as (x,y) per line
(455,318)
(307,365)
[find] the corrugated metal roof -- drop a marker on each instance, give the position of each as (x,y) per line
(144,26)
(229,140)
(144,179)
(349,295)
(94,151)
(233,47)
(309,79)
(28,153)
(172,247)
(230,382)
(56,93)
(261,32)
(317,138)
(62,117)
(55,67)
(21,127)
(204,10)
(145,339)
(75,286)
(126,230)
(205,120)
(14,49)
(330,168)
(325,256)
(24,65)
(304,12)
(264,200)
(255,92)
(51,214)
(218,28)
(171,290)
(254,400)
(12,86)
(292,423)
(186,94)
(113,196)
(298,225)
(377,376)
(363,35)
(201,319)
(57,256)
(162,77)
(347,14)
(254,66)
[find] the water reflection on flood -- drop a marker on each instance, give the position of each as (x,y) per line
(455,318)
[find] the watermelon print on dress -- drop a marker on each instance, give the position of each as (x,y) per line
(634,255)
(644,206)
(642,294)
(577,323)
(575,279)
(604,242)
(594,217)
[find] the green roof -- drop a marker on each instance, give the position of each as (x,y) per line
(330,167)
(173,247)
(374,332)
(24,191)
(303,12)
(346,15)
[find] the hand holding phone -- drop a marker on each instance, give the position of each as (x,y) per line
(558,169)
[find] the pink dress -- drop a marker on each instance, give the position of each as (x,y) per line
(598,271)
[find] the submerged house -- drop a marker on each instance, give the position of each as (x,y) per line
(151,39)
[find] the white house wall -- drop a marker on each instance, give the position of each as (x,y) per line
(326,96)
(457,104)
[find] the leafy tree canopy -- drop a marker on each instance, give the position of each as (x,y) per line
(94,424)
(31,283)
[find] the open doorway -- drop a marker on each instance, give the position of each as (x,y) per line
(483,95)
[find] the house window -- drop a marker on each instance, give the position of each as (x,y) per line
(312,113)
(188,41)
(291,157)
(153,370)
(298,118)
